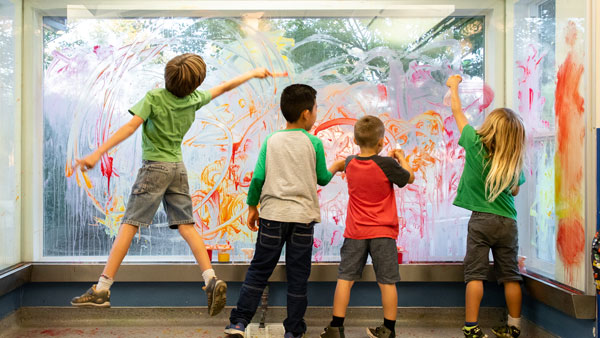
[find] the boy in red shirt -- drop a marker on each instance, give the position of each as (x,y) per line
(371,225)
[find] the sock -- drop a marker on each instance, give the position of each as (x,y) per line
(470,325)
(104,283)
(390,324)
(208,275)
(516,322)
(337,322)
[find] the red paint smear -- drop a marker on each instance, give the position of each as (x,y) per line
(106,167)
(488,97)
(334,122)
(570,240)
(383,95)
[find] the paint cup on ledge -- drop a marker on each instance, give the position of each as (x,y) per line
(209,252)
(521,260)
(400,254)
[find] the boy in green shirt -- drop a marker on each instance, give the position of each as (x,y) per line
(165,114)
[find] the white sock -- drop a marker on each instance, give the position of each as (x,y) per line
(104,283)
(516,322)
(208,275)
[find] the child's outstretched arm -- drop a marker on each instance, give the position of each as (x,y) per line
(260,73)
(123,133)
(398,154)
(337,166)
(459,116)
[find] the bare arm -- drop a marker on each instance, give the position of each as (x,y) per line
(398,154)
(123,133)
(337,166)
(260,73)
(459,116)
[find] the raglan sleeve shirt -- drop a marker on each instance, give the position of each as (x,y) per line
(258,177)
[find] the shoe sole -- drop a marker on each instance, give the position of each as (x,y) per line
(103,305)
(500,335)
(369,333)
(233,333)
(219,298)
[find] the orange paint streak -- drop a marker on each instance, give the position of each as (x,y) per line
(570,157)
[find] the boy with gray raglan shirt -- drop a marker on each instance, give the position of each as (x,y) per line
(290,165)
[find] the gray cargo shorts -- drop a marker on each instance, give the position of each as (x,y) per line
(384,255)
(156,182)
(498,233)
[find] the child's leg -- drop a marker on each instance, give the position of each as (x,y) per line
(512,293)
(196,243)
(298,254)
(341,298)
(473,297)
(119,249)
(389,300)
(384,254)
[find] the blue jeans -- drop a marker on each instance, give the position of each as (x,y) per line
(298,238)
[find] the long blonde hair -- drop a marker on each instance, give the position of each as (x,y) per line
(503,136)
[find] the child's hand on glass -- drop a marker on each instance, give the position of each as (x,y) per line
(397,154)
(338,166)
(453,81)
(87,162)
(261,73)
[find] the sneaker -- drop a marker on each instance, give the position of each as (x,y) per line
(235,330)
(380,331)
(333,332)
(506,331)
(216,295)
(475,332)
(92,298)
(291,335)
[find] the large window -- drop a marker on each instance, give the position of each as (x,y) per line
(392,67)
(549,37)
(10,230)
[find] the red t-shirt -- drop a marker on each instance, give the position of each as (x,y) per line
(372,211)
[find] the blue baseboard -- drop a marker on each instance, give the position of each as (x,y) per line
(429,294)
(10,302)
(319,294)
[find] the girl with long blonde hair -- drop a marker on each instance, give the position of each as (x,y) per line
(491,178)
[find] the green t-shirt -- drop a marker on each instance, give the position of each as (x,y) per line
(166,120)
(471,189)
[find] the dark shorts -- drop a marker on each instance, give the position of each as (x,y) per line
(498,233)
(384,255)
(156,182)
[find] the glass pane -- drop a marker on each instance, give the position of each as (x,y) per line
(549,39)
(95,69)
(9,143)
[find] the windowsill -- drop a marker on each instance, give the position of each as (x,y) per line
(570,302)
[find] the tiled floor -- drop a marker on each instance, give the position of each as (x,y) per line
(193,322)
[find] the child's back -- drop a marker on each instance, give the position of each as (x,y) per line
(167,118)
(293,166)
(290,165)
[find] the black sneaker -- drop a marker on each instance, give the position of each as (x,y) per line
(333,332)
(475,332)
(506,331)
(92,298)
(216,295)
(380,332)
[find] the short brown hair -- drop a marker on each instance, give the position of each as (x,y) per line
(184,73)
(368,130)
